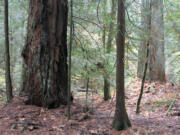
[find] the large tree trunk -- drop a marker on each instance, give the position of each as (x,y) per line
(45,54)
(7,55)
(156,68)
(157,58)
(121,120)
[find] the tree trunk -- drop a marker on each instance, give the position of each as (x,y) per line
(7,55)
(121,120)
(145,11)
(69,62)
(157,58)
(107,92)
(145,65)
(156,68)
(45,53)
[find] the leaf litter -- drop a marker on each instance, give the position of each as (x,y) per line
(155,117)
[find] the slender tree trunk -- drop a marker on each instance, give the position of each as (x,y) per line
(108,47)
(146,65)
(106,76)
(145,10)
(7,55)
(156,68)
(107,92)
(87,91)
(106,81)
(45,53)
(121,120)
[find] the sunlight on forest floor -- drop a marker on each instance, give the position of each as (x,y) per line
(154,119)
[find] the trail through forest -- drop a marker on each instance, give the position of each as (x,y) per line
(17,118)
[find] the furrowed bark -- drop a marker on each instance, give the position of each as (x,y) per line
(45,53)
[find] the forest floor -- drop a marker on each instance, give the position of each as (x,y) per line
(155,119)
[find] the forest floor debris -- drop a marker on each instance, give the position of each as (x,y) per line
(17,118)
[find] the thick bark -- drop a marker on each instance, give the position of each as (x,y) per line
(156,68)
(7,55)
(45,53)
(121,120)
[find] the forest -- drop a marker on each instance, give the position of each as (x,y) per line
(89,67)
